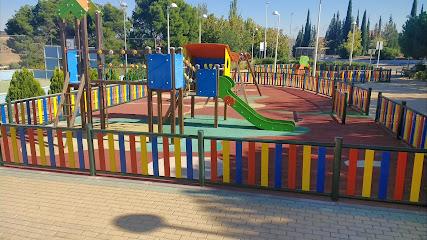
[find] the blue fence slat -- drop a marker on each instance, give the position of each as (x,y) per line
(321,170)
(122,153)
(45,111)
(23,145)
(80,150)
(155,152)
(239,162)
(189,150)
(385,167)
(278,166)
(51,148)
(3,114)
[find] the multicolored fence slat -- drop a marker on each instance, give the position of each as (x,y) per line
(339,106)
(407,124)
(383,175)
(42,110)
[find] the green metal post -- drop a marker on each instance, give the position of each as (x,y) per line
(368,101)
(9,111)
(201,143)
(90,149)
(333,97)
(377,112)
(400,123)
(317,84)
(336,169)
(344,113)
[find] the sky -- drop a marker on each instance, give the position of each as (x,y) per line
(255,9)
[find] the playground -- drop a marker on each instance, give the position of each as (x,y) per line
(193,115)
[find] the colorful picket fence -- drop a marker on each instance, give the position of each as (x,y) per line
(383,174)
(365,75)
(339,106)
(407,124)
(42,110)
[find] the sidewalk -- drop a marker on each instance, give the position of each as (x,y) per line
(42,205)
(413,91)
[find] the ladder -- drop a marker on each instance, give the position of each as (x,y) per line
(65,101)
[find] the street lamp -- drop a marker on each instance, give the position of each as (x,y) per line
(200,26)
(277,38)
(352,43)
(265,34)
(316,49)
(253,39)
(123,6)
(410,17)
(173,5)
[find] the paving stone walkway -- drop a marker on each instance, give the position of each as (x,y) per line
(45,205)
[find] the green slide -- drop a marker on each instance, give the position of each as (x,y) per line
(225,92)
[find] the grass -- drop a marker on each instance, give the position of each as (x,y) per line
(4,85)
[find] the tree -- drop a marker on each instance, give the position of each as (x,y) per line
(346,28)
(422,9)
(365,35)
(414,8)
(299,39)
(233,12)
(307,31)
(390,34)
(333,34)
(149,20)
(413,39)
(23,85)
(357,19)
(57,81)
(357,46)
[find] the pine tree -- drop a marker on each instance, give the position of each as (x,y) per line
(24,85)
(368,29)
(422,9)
(391,36)
(380,24)
(357,19)
(414,8)
(307,31)
(365,35)
(233,10)
(348,20)
(57,81)
(333,34)
(298,40)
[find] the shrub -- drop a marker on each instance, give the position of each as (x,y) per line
(23,85)
(57,81)
(93,73)
(388,53)
(14,65)
(422,75)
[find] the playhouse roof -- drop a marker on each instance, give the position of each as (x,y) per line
(207,50)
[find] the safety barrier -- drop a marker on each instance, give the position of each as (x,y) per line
(42,110)
(364,75)
(359,98)
(339,104)
(385,174)
(407,124)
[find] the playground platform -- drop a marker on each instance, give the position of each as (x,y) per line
(64,206)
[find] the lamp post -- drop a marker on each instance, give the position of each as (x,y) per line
(200,26)
(290,32)
(352,42)
(123,6)
(316,49)
(173,5)
(253,39)
(277,38)
(409,17)
(265,32)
